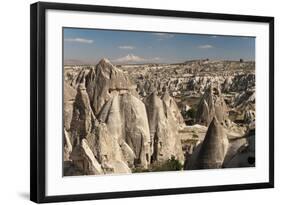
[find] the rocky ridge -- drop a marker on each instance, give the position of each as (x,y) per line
(118,119)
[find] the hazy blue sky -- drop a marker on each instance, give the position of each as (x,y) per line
(87,46)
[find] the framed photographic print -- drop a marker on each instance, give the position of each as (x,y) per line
(129,102)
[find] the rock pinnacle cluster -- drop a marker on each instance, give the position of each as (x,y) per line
(138,118)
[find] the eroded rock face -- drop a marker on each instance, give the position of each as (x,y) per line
(126,119)
(211,105)
(82,118)
(243,82)
(67,146)
(164,124)
(84,159)
(191,77)
(244,155)
(79,78)
(106,80)
(226,86)
(171,109)
(249,116)
(191,137)
(114,126)
(119,139)
(244,98)
(68,101)
(109,152)
(211,153)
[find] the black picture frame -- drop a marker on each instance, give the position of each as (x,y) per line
(38,100)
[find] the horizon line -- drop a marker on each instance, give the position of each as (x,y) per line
(170,63)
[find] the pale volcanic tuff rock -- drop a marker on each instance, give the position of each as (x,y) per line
(90,83)
(164,124)
(84,159)
(233,148)
(171,109)
(107,80)
(191,76)
(106,93)
(191,137)
(211,105)
(227,84)
(96,137)
(119,138)
(79,78)
(211,153)
(68,101)
(109,152)
(126,120)
(244,155)
(83,116)
(67,146)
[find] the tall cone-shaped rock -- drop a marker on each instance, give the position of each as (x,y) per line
(213,148)
(211,105)
(163,125)
(171,109)
(126,120)
(107,80)
(83,117)
(175,121)
(90,83)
